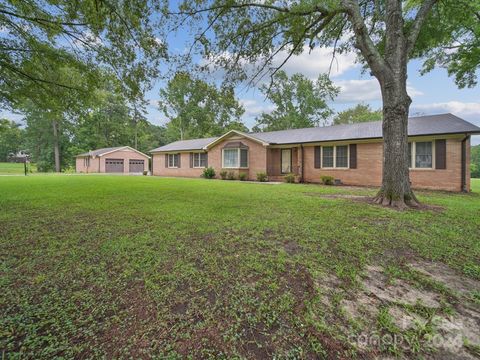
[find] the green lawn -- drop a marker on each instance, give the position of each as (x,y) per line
(14,168)
(141,267)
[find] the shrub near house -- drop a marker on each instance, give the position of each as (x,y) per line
(352,154)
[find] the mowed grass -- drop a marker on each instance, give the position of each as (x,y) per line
(140,267)
(15,168)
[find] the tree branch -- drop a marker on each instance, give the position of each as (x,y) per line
(418,23)
(41,20)
(363,41)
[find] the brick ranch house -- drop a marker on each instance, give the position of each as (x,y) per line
(122,159)
(439,149)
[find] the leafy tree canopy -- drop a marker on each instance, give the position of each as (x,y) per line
(39,37)
(475,161)
(11,138)
(299,102)
(359,113)
(196,108)
(245,37)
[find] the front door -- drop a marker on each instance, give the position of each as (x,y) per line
(286,161)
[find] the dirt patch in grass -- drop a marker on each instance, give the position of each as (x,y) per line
(138,315)
(370,200)
(416,314)
(443,274)
(299,283)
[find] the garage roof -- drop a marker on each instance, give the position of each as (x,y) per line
(103,151)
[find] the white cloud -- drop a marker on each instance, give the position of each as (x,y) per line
(469,111)
(253,107)
(153,103)
(456,107)
(311,64)
(364,90)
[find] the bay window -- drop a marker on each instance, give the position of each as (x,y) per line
(234,158)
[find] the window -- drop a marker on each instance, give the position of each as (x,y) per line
(243,158)
(341,156)
(409,154)
(235,158)
(335,156)
(199,160)
(86,161)
(420,154)
(327,156)
(173,160)
(423,154)
(286,161)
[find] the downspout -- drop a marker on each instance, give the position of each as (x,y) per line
(301,177)
(464,165)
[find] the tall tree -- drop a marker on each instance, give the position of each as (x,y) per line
(299,102)
(11,138)
(357,114)
(196,108)
(385,35)
(55,114)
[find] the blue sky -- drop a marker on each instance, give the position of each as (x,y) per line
(432,93)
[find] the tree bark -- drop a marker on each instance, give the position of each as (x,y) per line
(395,190)
(56,146)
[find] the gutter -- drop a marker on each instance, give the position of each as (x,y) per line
(464,164)
(303,161)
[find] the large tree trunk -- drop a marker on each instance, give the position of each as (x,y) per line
(395,190)
(56,146)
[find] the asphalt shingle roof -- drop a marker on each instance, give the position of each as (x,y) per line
(421,125)
(195,144)
(99,152)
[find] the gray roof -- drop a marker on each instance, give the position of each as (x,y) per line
(100,152)
(195,144)
(421,125)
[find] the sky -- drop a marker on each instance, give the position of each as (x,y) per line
(432,93)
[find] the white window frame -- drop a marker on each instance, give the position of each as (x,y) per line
(335,157)
(414,150)
(199,154)
(174,166)
(86,161)
(238,159)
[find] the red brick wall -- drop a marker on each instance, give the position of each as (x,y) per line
(369,168)
(185,170)
(368,171)
(257,161)
(98,164)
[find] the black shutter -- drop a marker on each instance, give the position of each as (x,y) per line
(166,160)
(353,156)
(191,160)
(179,159)
(317,159)
(206,159)
(441,154)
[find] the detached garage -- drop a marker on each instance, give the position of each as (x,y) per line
(120,160)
